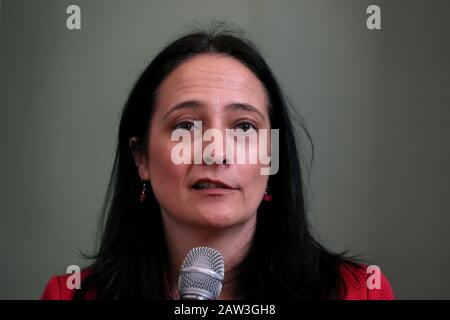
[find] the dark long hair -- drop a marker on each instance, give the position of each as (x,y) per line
(284,259)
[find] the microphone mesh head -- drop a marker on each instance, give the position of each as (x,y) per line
(202,273)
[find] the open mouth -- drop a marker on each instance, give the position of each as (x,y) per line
(206,185)
(213,185)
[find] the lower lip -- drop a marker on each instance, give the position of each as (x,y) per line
(214,191)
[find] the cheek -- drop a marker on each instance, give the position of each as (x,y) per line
(165,176)
(254,184)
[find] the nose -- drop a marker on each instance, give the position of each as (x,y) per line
(214,145)
(217,155)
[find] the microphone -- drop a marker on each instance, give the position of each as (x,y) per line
(201,274)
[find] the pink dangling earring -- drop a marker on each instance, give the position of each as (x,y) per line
(267,195)
(144,192)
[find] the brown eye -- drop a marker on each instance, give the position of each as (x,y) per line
(186,125)
(245,126)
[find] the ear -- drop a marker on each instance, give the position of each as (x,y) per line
(139,158)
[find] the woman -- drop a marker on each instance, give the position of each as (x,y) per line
(156,211)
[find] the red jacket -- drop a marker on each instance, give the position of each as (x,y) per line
(355,280)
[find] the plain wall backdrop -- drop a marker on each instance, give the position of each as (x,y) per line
(376,104)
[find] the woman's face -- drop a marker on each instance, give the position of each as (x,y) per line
(223,94)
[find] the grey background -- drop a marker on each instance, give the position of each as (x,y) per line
(375,102)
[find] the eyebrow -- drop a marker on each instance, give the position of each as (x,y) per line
(235,106)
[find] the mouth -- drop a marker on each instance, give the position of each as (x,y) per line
(208,184)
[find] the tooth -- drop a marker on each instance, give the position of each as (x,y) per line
(204,185)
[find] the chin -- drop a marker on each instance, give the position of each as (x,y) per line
(219,219)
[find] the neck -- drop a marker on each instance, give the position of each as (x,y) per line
(232,242)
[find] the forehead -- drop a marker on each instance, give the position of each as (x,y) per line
(213,79)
